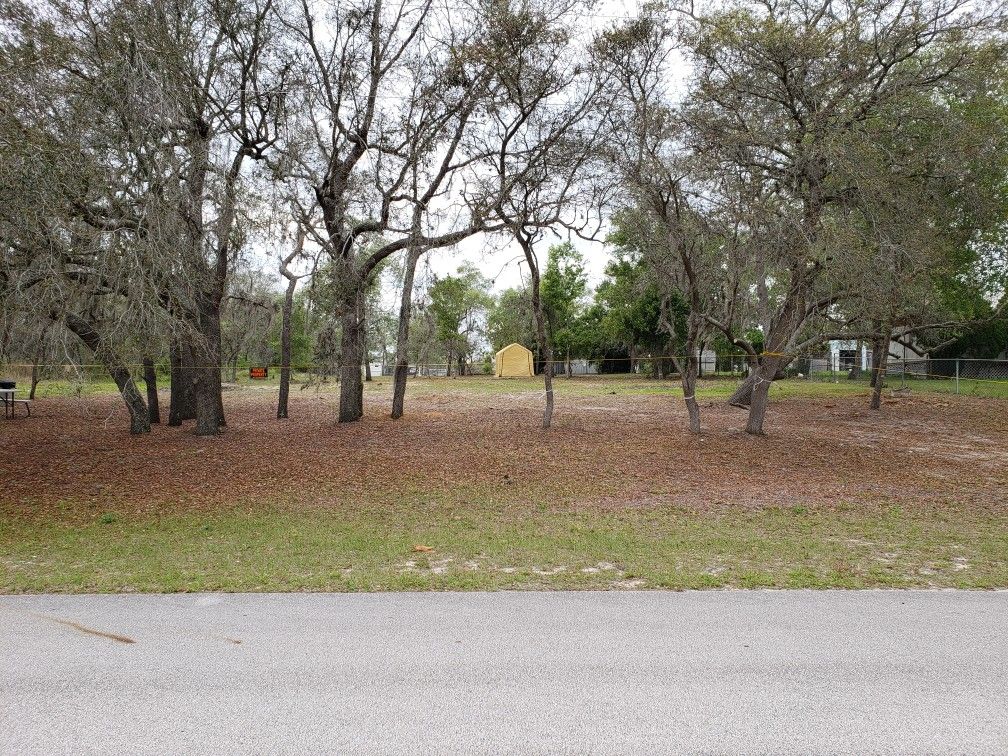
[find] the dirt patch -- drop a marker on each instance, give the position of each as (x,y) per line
(605,451)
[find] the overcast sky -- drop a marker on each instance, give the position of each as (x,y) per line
(505,264)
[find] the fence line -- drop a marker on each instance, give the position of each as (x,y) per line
(740,360)
(832,367)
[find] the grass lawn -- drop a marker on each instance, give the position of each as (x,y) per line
(615,496)
(579,386)
(486,546)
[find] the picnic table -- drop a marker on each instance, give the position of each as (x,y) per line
(9,401)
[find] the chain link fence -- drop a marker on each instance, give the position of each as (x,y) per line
(979,377)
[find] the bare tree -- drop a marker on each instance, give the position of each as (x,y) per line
(544,129)
(385,85)
(665,185)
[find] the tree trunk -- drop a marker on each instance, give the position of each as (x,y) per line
(402,336)
(39,354)
(688,376)
(758,406)
(204,341)
(742,396)
(351,408)
(545,348)
(366,352)
(285,348)
(150,381)
(668,361)
(760,394)
(880,348)
(86,332)
(855,371)
(688,372)
(181,403)
(689,385)
(570,368)
(207,421)
(34,379)
(875,357)
(207,373)
(5,338)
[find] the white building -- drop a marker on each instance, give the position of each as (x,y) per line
(846,355)
(708,362)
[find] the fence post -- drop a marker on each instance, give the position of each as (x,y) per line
(957,375)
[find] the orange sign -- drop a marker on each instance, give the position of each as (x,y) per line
(259,373)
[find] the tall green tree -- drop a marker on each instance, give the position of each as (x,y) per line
(458,304)
(562,289)
(638,309)
(510,320)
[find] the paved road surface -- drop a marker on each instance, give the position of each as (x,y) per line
(522,673)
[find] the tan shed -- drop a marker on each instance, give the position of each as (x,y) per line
(514,361)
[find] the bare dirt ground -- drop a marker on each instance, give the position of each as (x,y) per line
(606,450)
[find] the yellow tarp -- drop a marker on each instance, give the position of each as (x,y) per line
(514,361)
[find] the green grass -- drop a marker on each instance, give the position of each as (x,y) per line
(709,389)
(580,386)
(72,389)
(940,385)
(484,545)
(600,386)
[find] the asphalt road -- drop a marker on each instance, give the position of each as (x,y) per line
(522,673)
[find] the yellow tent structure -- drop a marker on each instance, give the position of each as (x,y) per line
(514,361)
